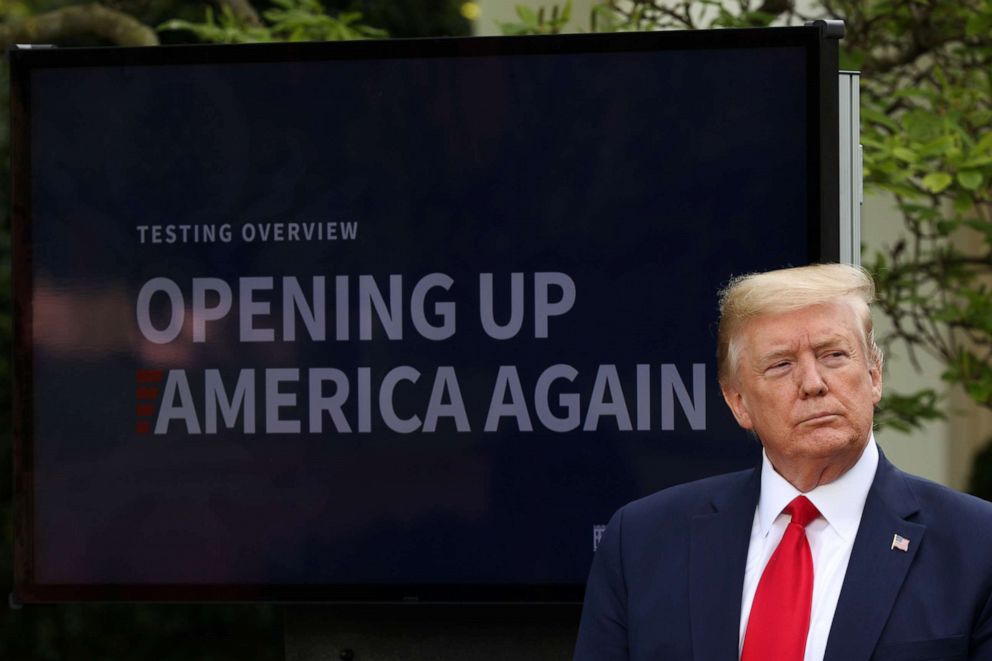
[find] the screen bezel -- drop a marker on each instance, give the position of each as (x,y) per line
(822,240)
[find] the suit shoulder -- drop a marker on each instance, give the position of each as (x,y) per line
(937,496)
(689,498)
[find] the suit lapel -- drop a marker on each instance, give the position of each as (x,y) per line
(717,556)
(876,571)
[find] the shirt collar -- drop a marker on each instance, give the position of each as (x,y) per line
(840,502)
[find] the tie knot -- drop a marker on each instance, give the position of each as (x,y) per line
(802,511)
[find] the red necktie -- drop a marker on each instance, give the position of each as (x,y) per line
(779,619)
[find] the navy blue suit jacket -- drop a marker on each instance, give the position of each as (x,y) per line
(667,580)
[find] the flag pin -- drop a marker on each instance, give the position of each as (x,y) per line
(899,542)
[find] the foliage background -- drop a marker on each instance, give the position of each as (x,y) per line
(926,113)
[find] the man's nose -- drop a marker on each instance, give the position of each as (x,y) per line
(811,383)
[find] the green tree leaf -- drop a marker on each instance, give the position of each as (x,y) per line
(905,154)
(970,179)
(936,182)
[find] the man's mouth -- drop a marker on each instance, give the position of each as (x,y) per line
(819,418)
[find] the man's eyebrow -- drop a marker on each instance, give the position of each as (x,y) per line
(776,354)
(831,339)
(788,351)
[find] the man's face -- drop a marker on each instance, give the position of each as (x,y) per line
(807,387)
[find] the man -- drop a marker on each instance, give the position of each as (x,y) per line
(825,551)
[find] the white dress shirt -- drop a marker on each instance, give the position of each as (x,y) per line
(831,538)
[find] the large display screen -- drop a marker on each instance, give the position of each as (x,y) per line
(385,321)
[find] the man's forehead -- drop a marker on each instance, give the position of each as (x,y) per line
(814,324)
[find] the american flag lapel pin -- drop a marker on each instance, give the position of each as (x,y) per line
(899,542)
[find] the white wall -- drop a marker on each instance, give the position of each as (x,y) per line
(926,452)
(944,450)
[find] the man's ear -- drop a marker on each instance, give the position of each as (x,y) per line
(875,373)
(735,400)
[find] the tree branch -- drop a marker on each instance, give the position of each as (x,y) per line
(64,24)
(775,7)
(243,11)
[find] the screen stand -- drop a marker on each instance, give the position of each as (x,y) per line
(426,632)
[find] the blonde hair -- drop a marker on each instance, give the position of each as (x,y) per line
(786,290)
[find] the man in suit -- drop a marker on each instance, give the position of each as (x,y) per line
(825,550)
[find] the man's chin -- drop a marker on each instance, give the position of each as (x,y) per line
(825,441)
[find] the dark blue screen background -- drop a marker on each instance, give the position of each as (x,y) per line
(648,177)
